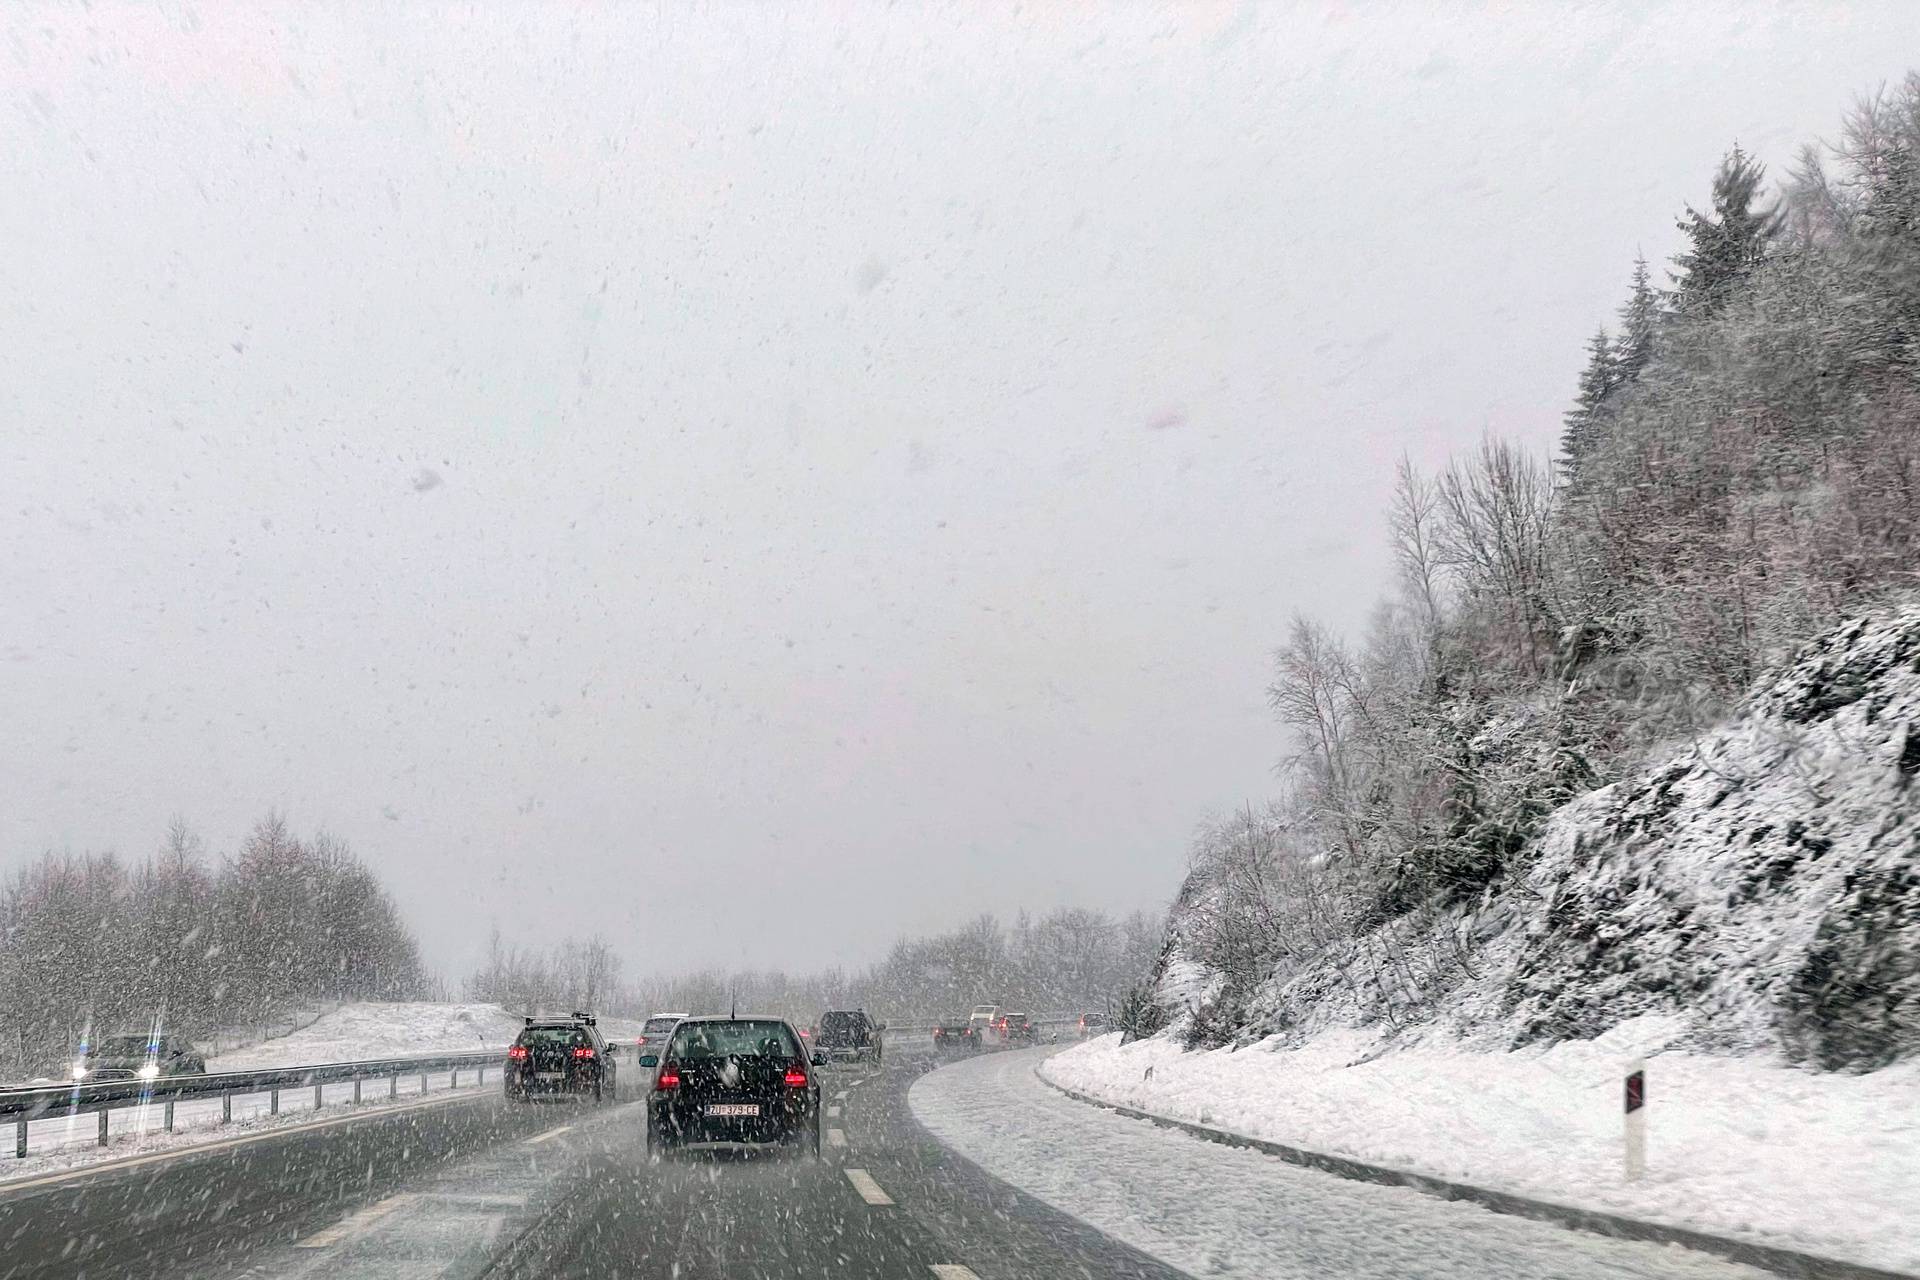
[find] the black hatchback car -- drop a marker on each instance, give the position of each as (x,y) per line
(733,1081)
(553,1057)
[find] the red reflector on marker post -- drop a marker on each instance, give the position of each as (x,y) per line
(1636,1119)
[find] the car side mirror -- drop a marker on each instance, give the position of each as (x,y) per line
(649,1059)
(613,1051)
(819,1058)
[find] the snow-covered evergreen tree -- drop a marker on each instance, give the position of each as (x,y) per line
(1726,244)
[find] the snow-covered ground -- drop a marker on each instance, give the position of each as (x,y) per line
(379,1029)
(394,1029)
(1212,1210)
(1824,1163)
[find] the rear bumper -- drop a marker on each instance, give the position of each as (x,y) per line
(524,1084)
(687,1123)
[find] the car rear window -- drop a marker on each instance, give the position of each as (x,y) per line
(843,1022)
(659,1026)
(553,1035)
(742,1039)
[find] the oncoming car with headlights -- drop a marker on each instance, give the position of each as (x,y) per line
(136,1057)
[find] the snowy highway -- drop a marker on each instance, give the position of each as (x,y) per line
(977,1169)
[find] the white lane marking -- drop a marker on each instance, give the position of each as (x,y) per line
(551,1133)
(833,1112)
(869,1189)
(836,1137)
(840,1096)
(953,1271)
(225,1144)
(354,1224)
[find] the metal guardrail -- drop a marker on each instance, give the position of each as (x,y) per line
(22,1106)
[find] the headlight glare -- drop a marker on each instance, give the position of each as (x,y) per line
(149,1070)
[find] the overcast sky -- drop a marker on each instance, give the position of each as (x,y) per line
(754,484)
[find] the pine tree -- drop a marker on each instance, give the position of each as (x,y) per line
(1597,382)
(1724,246)
(1639,320)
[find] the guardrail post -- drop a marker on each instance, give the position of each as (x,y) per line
(273,1102)
(393,1085)
(104,1113)
(456,1079)
(483,1073)
(356,1090)
(168,1122)
(226,1108)
(316,1097)
(423,1082)
(20,1140)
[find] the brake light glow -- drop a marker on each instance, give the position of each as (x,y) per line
(584,1051)
(518,1053)
(669,1078)
(796,1078)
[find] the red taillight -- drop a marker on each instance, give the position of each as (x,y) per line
(669,1078)
(518,1053)
(584,1051)
(639,1040)
(796,1078)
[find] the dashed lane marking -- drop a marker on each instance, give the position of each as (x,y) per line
(836,1137)
(953,1271)
(833,1112)
(551,1133)
(354,1224)
(869,1189)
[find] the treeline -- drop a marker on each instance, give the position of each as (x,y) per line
(1740,467)
(1067,959)
(574,974)
(92,944)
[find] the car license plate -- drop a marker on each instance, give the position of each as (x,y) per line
(733,1108)
(548,1075)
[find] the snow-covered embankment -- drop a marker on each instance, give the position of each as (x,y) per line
(1821,1163)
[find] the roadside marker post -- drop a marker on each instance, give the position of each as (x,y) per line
(1636,1116)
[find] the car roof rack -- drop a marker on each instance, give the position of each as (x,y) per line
(585,1017)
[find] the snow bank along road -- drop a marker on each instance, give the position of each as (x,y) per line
(470,1186)
(1221,1211)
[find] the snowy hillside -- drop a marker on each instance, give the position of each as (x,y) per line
(1760,887)
(393,1029)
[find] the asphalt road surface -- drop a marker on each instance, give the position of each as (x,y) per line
(475,1186)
